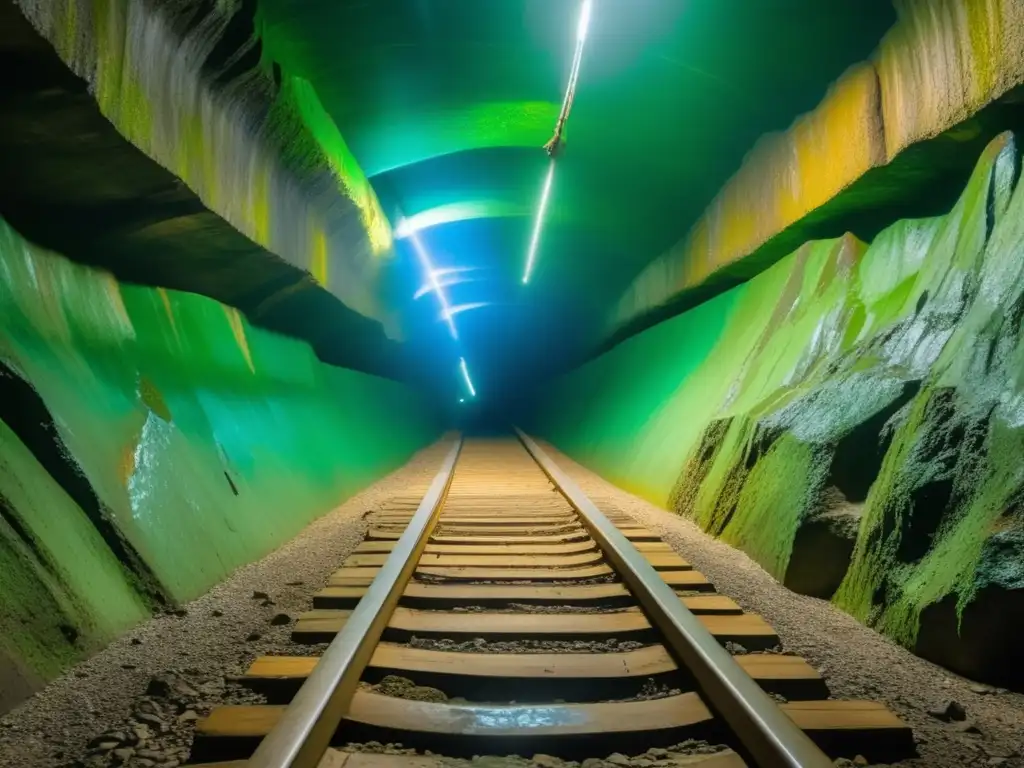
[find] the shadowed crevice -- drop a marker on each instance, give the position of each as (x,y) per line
(24,411)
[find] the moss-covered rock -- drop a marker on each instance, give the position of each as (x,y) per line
(152,441)
(856,423)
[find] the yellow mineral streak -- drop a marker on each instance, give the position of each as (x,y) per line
(941,63)
(238,330)
(147,80)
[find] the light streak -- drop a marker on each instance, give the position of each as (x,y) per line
(584,24)
(538,223)
(435,285)
(465,375)
(452,311)
(443,281)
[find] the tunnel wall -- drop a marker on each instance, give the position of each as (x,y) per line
(186,83)
(152,441)
(851,418)
(934,71)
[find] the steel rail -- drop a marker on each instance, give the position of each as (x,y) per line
(765,731)
(305,731)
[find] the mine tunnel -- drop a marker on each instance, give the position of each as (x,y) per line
(511,383)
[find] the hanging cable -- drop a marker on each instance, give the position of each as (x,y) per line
(553,147)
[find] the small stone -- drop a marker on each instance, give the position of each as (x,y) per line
(253,636)
(294,583)
(860,760)
(142,732)
(216,613)
(260,596)
(617,758)
(135,641)
(546,761)
(144,762)
(268,603)
(123,754)
(983,690)
(152,720)
(188,716)
(735,648)
(657,752)
(150,754)
(592,762)
(953,710)
(968,726)
(165,686)
(148,707)
(129,666)
(106,746)
(180,612)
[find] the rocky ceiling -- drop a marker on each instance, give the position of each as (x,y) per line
(447,103)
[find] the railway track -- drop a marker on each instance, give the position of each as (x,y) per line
(531,622)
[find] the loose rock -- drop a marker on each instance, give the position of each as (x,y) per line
(952,711)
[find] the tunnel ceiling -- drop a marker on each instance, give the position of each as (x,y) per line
(447,103)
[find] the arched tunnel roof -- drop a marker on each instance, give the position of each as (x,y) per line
(446,105)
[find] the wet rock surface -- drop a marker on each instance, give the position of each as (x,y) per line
(864,441)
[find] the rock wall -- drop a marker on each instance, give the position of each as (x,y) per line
(186,83)
(151,441)
(852,418)
(936,69)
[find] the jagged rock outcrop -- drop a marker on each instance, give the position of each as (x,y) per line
(152,441)
(186,83)
(895,131)
(852,419)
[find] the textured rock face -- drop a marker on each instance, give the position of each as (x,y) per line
(151,442)
(851,418)
(943,62)
(185,84)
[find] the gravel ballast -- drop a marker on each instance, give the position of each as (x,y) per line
(134,704)
(857,662)
(81,717)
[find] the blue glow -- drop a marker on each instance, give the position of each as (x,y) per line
(538,222)
(436,287)
(465,375)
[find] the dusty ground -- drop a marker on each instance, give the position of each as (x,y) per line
(134,703)
(144,690)
(857,662)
